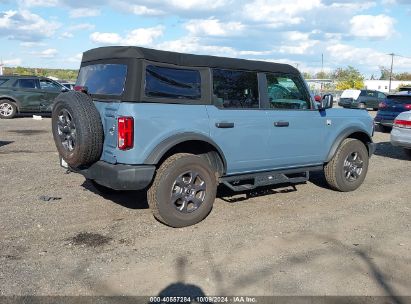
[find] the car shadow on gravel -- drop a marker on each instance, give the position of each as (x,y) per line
(5,143)
(386,149)
(127,199)
(318,179)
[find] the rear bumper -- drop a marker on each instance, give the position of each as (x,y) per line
(119,176)
(401,137)
(384,122)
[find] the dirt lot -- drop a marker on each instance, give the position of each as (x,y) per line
(308,241)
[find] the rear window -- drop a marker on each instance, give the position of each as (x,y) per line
(403,99)
(103,79)
(172,83)
(26,84)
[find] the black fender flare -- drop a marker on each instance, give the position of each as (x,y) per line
(343,135)
(163,147)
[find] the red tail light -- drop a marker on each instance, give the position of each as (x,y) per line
(407,106)
(382,105)
(125,133)
(402,123)
(82,89)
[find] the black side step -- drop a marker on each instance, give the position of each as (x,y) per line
(251,181)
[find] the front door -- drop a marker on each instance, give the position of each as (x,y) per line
(51,90)
(297,130)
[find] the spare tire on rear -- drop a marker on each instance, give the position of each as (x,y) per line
(77,129)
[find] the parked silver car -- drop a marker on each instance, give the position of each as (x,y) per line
(401,131)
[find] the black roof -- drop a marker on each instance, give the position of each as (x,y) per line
(190,60)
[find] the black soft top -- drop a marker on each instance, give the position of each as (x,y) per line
(181,59)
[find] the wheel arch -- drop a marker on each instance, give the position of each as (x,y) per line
(14,101)
(189,143)
(355,133)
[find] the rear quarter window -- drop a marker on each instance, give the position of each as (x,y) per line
(172,83)
(103,79)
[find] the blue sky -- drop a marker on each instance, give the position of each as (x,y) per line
(54,33)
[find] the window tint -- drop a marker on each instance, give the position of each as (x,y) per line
(172,83)
(49,85)
(235,89)
(381,95)
(372,94)
(3,80)
(26,83)
(103,79)
(286,92)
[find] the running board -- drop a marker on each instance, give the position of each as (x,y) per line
(247,182)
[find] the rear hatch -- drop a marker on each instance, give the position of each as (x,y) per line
(392,106)
(105,83)
(349,96)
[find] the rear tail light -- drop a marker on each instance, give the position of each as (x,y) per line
(125,133)
(407,106)
(82,89)
(382,105)
(402,123)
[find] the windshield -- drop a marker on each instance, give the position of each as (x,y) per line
(103,79)
(351,94)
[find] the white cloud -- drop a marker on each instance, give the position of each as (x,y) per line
(76,58)
(276,13)
(144,10)
(81,27)
(374,27)
(48,53)
(26,26)
(213,27)
(32,44)
(67,35)
(139,37)
(84,12)
(43,3)
(197,4)
(12,62)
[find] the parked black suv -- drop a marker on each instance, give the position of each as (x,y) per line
(19,94)
(361,99)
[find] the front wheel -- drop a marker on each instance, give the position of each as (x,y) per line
(183,190)
(347,169)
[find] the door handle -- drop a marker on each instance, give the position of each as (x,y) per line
(224,125)
(281,124)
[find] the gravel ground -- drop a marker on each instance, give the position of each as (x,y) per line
(304,241)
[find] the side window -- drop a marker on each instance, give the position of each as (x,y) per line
(235,89)
(49,85)
(164,82)
(372,94)
(363,93)
(26,83)
(286,92)
(3,80)
(381,95)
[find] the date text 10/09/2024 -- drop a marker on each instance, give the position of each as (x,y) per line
(204,299)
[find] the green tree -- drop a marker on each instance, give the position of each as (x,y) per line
(403,76)
(385,73)
(322,75)
(307,75)
(348,78)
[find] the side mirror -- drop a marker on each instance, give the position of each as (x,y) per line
(327,102)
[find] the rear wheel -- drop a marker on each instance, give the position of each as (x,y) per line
(8,109)
(347,169)
(183,190)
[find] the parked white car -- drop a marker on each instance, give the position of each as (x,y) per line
(401,131)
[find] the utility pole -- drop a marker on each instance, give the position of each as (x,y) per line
(392,63)
(322,62)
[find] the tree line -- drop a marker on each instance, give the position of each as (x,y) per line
(62,74)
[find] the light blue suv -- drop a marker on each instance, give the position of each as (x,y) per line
(179,124)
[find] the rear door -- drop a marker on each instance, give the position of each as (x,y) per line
(297,130)
(27,92)
(237,123)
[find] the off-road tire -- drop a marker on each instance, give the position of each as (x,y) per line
(159,194)
(89,129)
(334,170)
(13,107)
